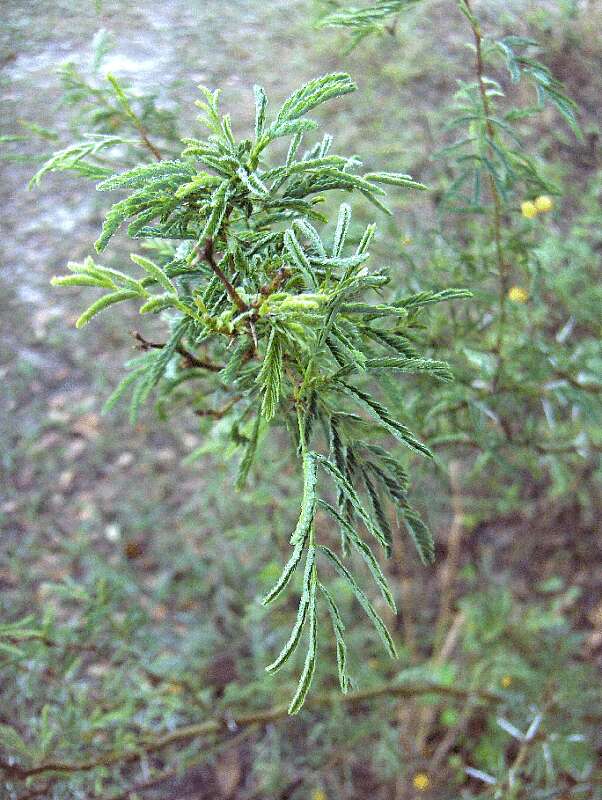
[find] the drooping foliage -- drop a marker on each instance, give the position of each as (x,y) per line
(272,323)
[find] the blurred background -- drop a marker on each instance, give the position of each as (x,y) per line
(150,565)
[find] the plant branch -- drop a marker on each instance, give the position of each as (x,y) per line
(208,255)
(442,653)
(147,142)
(161,778)
(449,570)
(594,388)
(272,286)
(218,413)
(133,117)
(497,202)
(192,360)
(244,720)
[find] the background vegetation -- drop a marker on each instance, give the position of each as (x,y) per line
(130,575)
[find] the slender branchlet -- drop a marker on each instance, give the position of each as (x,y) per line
(277,325)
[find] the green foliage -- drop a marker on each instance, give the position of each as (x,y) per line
(524,654)
(288,323)
(103,114)
(373,18)
(526,394)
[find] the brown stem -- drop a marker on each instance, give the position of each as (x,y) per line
(147,143)
(451,737)
(191,359)
(406,586)
(134,119)
(497,203)
(38,791)
(166,775)
(244,720)
(208,255)
(276,282)
(449,570)
(594,388)
(428,714)
(218,413)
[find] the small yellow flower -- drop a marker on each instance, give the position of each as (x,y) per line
(421,781)
(543,203)
(528,209)
(506,681)
(318,794)
(517,294)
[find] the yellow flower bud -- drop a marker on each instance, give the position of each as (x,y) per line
(543,203)
(318,794)
(528,209)
(506,681)
(518,295)
(421,781)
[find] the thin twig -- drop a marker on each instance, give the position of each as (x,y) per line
(449,570)
(406,586)
(223,744)
(594,388)
(244,720)
(218,413)
(451,639)
(208,255)
(428,714)
(272,286)
(147,143)
(133,117)
(451,737)
(497,203)
(532,736)
(192,360)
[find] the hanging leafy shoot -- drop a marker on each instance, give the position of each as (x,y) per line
(271,324)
